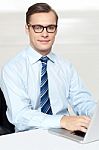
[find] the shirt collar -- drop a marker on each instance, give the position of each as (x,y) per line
(51,57)
(34,56)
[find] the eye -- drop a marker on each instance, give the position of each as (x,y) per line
(51,27)
(38,27)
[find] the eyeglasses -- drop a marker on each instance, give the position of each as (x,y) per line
(39,28)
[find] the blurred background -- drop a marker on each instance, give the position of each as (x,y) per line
(77,39)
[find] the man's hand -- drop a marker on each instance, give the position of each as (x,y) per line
(74,123)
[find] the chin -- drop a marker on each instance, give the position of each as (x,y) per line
(44,51)
(45,48)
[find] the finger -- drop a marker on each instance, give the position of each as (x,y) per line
(85,119)
(84,124)
(83,129)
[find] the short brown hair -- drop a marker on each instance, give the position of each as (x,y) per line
(39,8)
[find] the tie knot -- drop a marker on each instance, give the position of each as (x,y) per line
(44,59)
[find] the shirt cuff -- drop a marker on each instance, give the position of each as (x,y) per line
(51,121)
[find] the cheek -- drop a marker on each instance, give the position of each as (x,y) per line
(34,42)
(33,38)
(53,38)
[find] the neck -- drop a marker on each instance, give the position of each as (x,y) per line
(42,52)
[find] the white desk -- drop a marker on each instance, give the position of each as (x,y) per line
(41,140)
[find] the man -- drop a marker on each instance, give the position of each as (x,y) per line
(31,80)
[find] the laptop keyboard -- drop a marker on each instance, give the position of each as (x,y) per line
(79,133)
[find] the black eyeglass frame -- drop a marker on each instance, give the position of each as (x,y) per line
(43,27)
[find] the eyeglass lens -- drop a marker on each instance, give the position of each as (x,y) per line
(40,28)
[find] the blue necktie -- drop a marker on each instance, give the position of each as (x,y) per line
(44,95)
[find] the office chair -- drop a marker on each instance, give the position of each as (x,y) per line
(5,126)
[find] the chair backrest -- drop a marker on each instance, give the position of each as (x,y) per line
(6,126)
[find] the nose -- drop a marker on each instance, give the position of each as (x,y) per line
(45,33)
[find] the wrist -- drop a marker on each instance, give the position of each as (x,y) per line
(62,122)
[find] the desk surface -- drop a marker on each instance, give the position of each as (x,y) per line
(41,140)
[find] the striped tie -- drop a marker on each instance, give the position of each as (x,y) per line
(44,95)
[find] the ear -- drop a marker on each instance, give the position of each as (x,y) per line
(26,29)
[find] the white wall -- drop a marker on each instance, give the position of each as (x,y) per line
(77,39)
(22,5)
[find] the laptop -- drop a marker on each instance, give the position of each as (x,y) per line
(91,135)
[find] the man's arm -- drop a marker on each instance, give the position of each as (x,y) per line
(20,112)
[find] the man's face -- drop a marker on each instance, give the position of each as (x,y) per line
(42,42)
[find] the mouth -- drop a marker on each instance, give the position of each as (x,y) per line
(44,41)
